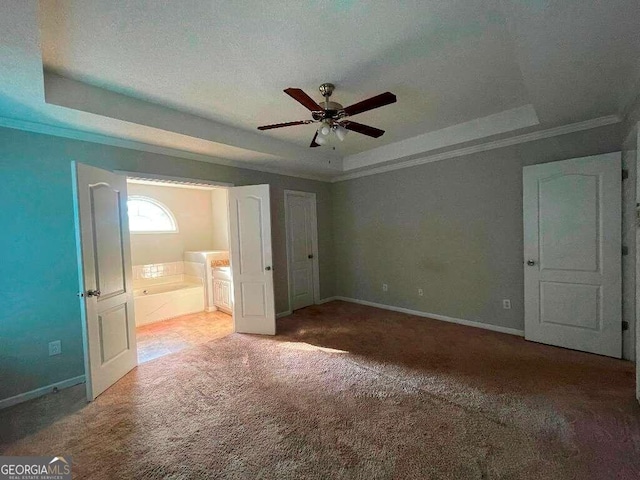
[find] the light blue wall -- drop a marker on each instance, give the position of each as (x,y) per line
(38,270)
(38,267)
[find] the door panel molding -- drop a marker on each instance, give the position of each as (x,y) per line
(251,259)
(104,266)
(572,253)
(292,270)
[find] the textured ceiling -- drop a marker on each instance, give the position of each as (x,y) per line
(448,62)
(451,63)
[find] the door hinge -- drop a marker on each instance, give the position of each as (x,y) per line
(625,174)
(625,325)
(625,250)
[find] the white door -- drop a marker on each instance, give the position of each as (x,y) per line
(251,267)
(572,249)
(102,231)
(301,257)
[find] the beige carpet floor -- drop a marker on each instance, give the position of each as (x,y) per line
(346,391)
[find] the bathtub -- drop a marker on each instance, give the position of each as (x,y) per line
(154,303)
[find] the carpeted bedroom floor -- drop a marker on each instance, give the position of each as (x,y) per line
(347,391)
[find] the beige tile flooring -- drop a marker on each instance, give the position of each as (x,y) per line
(163,338)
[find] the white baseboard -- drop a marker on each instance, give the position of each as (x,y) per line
(435,316)
(39,392)
(319,302)
(326,300)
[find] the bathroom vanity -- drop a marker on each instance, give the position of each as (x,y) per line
(221,277)
(213,267)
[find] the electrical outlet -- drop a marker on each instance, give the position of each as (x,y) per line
(506,304)
(55,348)
(420,292)
(385,287)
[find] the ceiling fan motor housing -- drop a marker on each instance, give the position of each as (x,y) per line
(332,111)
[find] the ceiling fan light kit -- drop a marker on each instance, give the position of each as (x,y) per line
(331,115)
(324,129)
(340,132)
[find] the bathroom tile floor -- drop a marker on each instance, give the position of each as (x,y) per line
(170,336)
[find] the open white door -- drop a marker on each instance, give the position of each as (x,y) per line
(572,250)
(104,256)
(251,267)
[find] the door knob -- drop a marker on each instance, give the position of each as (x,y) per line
(267,268)
(531,263)
(310,256)
(93,293)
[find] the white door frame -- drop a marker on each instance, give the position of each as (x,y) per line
(169,179)
(314,243)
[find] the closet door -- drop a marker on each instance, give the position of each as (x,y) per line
(572,254)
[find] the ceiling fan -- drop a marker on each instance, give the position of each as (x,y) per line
(332,115)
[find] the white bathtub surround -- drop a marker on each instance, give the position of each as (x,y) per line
(153,289)
(163,273)
(154,303)
(146,282)
(157,270)
(195,270)
(166,290)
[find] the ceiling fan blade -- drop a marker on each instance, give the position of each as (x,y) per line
(301,97)
(287,124)
(378,101)
(313,142)
(363,129)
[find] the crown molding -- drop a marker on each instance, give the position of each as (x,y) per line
(477,129)
(74,95)
(141,146)
(73,134)
(483,147)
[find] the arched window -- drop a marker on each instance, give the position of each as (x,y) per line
(147,215)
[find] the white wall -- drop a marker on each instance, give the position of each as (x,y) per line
(194,214)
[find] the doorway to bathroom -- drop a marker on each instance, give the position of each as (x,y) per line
(105,267)
(182,284)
